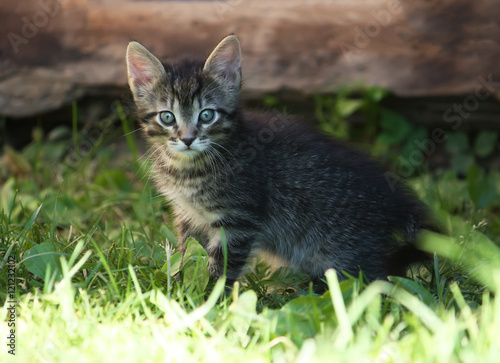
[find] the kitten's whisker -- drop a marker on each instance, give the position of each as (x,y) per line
(131,132)
(145,159)
(213,163)
(209,160)
(226,163)
(223,148)
(148,158)
(158,157)
(225,166)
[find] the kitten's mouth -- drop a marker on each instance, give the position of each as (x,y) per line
(188,152)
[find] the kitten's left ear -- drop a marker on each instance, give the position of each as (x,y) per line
(225,62)
(144,69)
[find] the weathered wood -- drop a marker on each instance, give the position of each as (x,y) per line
(56,51)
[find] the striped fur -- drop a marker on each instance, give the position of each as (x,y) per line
(272,183)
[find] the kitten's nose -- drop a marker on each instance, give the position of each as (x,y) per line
(188,140)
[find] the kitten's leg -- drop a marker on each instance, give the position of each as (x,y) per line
(185,231)
(238,250)
(319,285)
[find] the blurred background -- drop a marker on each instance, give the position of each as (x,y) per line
(361,68)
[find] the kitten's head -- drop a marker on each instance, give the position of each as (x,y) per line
(189,107)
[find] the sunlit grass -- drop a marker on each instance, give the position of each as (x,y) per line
(98,279)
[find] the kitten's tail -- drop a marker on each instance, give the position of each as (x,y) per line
(404,257)
(409,253)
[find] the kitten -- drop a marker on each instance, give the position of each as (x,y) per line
(272,183)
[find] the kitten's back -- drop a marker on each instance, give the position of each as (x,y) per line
(333,201)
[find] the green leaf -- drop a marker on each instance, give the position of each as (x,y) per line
(414,143)
(194,249)
(485,143)
(38,258)
(244,312)
(270,101)
(195,268)
(54,151)
(457,142)
(395,128)
(59,133)
(169,235)
(175,264)
(8,196)
(63,206)
(414,288)
(148,253)
(482,188)
(461,163)
(300,318)
(160,277)
(113,179)
(347,107)
(376,94)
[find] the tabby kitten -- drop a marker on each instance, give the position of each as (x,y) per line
(272,183)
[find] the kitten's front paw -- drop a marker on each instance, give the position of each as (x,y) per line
(215,269)
(216,272)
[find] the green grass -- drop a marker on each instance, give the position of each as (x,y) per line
(98,278)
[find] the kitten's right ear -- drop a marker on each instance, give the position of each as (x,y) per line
(143,68)
(224,64)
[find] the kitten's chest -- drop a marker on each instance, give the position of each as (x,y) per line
(195,202)
(198,194)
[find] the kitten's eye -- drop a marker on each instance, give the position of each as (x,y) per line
(167,118)
(207,115)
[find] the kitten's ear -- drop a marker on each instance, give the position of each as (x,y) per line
(143,68)
(225,62)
